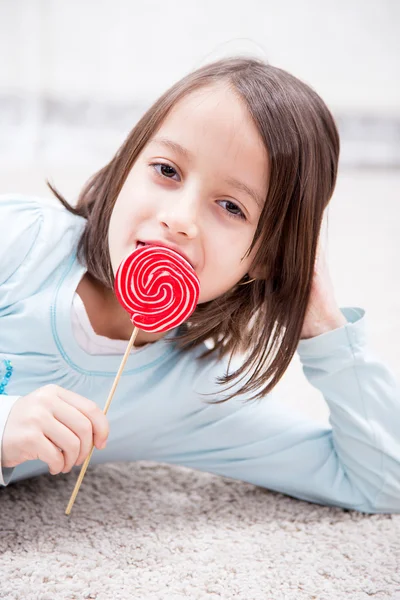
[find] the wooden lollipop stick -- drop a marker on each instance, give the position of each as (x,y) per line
(111,394)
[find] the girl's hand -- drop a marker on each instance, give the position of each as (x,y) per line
(323,313)
(54,425)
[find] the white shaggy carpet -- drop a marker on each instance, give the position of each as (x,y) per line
(166,532)
(170,532)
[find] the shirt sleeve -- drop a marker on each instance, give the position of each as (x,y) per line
(6,404)
(20,223)
(353,463)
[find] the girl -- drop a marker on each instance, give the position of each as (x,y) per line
(232,167)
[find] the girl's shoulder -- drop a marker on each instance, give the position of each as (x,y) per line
(33,226)
(21,206)
(18,211)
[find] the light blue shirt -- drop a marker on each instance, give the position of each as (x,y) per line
(158,411)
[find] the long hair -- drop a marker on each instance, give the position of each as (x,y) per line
(263,320)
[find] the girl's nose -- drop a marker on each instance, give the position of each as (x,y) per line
(180,219)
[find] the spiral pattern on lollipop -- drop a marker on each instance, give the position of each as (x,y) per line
(157,287)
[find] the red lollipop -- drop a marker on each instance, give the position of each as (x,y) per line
(157,287)
(160,290)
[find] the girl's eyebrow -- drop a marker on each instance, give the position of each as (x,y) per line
(175,147)
(189,156)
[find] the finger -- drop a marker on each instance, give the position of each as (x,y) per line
(49,454)
(90,409)
(66,440)
(78,424)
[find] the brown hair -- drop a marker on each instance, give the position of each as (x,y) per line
(264,318)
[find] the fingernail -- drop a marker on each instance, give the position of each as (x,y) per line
(104,444)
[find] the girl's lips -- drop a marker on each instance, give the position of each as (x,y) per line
(139,244)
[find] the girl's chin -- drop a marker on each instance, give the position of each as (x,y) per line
(208,295)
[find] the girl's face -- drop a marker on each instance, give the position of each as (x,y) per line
(198,185)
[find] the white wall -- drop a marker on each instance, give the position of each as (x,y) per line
(122,49)
(76,75)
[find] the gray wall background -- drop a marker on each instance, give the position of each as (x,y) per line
(76,75)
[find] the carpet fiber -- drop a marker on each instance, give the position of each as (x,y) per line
(154,531)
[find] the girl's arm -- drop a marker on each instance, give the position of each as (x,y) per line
(6,404)
(20,225)
(353,464)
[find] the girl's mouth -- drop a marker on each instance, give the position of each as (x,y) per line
(140,244)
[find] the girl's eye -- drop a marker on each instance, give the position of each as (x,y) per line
(166,172)
(235,207)
(165,169)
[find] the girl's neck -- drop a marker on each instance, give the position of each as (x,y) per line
(106,315)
